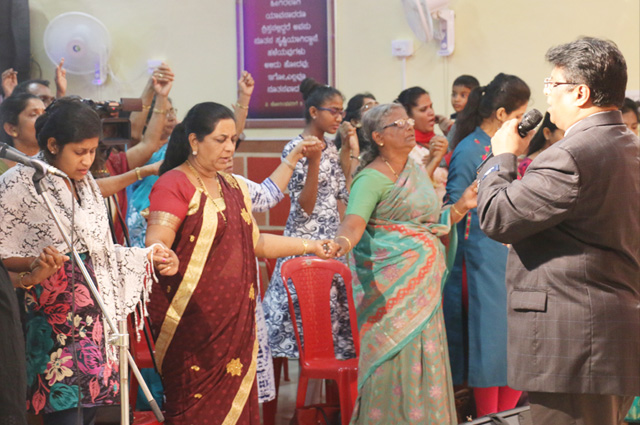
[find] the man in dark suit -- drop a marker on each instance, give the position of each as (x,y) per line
(573,222)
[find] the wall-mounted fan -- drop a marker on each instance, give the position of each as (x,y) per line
(431,19)
(84,43)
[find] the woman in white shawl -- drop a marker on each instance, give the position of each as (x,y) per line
(68,361)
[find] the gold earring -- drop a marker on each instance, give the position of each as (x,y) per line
(381,144)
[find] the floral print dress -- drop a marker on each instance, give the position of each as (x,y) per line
(321,224)
(67,361)
(54,331)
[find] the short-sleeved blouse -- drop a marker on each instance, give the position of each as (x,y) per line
(367,190)
(173,196)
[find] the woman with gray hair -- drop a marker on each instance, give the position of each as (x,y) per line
(394,223)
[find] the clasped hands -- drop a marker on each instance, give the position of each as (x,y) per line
(338,247)
(164,260)
(162,79)
(43,266)
(310,147)
(323,248)
(349,135)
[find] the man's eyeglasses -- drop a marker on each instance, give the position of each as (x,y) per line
(401,123)
(550,84)
(334,111)
(172,111)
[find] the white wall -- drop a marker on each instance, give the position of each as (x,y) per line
(198,40)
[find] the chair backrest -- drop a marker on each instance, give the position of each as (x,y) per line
(312,278)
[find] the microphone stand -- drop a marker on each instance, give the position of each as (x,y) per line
(119,335)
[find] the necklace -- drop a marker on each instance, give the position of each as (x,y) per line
(206,192)
(390,167)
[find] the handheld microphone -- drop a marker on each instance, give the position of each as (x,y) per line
(15,155)
(527,123)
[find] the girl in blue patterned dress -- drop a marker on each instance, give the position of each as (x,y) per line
(316,188)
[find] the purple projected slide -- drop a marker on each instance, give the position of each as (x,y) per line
(281,42)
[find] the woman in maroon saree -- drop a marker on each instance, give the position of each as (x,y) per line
(204,316)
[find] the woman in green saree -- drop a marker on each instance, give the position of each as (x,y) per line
(394,223)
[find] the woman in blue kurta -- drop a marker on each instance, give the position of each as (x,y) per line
(475,295)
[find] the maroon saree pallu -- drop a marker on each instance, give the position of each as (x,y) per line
(204,316)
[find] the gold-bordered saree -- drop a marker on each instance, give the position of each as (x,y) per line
(204,316)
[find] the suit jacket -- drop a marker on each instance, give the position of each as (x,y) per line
(573,271)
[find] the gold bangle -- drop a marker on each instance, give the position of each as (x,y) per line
(159,111)
(138,173)
(355,157)
(288,163)
(242,106)
(305,244)
(22,285)
(348,241)
(453,206)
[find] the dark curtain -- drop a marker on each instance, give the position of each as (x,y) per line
(15,42)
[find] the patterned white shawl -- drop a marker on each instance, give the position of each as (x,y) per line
(122,274)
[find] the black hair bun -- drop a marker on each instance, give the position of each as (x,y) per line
(307,86)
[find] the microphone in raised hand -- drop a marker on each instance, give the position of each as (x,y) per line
(528,122)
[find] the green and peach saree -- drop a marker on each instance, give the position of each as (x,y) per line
(398,269)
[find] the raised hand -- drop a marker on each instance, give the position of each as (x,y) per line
(346,129)
(507,139)
(313,147)
(162,80)
(61,80)
(349,137)
(246,84)
(438,147)
(9,81)
(163,73)
(302,149)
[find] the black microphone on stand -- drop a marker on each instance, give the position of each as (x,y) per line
(12,154)
(528,123)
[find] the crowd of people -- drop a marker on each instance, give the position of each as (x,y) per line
(516,276)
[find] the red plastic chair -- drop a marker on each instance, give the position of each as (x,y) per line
(312,278)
